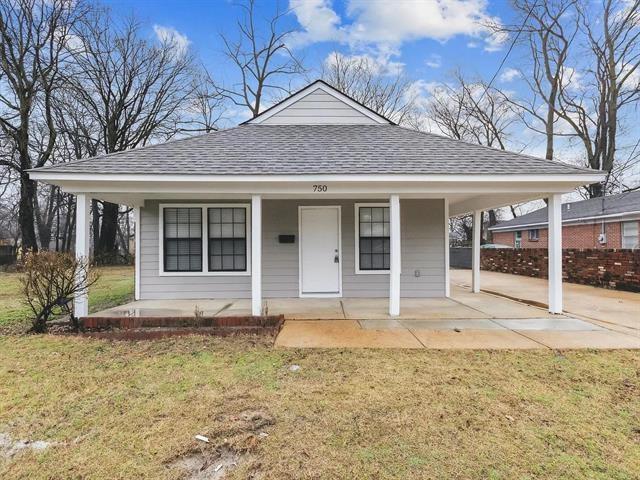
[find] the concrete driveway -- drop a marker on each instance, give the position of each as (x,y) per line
(615,309)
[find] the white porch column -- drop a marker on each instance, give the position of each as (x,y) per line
(83,208)
(395,259)
(136,219)
(256,255)
(475,251)
(555,253)
(447,280)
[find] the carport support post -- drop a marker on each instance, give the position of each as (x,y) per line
(256,255)
(394,264)
(555,253)
(475,251)
(83,207)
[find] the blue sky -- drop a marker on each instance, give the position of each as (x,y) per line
(424,53)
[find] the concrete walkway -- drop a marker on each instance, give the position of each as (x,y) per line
(495,323)
(612,308)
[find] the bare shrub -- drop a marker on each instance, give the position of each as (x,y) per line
(50,283)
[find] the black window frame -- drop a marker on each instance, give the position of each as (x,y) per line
(385,239)
(165,240)
(211,240)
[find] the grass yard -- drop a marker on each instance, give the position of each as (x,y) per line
(114,287)
(130,410)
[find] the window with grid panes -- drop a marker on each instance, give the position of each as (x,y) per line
(182,232)
(374,239)
(227,239)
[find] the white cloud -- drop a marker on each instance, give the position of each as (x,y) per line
(434,61)
(173,37)
(509,75)
(388,24)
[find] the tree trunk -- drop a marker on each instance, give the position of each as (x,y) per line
(107,246)
(28,190)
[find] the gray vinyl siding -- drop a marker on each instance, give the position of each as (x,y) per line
(422,243)
(318,108)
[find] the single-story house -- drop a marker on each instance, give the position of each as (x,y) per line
(604,222)
(318,196)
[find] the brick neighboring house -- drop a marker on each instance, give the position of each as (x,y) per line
(600,223)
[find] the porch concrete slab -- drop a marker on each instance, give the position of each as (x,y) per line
(236,308)
(605,339)
(460,324)
(475,339)
(165,308)
(496,307)
(306,308)
(549,324)
(341,334)
(410,308)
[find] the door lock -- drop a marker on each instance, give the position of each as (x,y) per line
(336,259)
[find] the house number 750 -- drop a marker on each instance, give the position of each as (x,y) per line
(319,188)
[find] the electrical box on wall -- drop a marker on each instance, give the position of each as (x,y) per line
(602,238)
(286,239)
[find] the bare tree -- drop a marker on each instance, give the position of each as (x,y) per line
(130,91)
(594,103)
(34,39)
(262,62)
(364,79)
(473,112)
(548,30)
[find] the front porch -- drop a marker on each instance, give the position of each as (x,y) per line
(466,320)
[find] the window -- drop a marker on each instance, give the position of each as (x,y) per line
(534,235)
(373,240)
(205,239)
(630,235)
(182,239)
(227,239)
(518,240)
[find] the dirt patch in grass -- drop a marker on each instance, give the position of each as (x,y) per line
(226,446)
(133,409)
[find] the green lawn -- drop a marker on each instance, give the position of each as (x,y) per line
(114,287)
(130,409)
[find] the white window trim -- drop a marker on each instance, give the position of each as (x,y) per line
(635,237)
(357,239)
(530,235)
(205,239)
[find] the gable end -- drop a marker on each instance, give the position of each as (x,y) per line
(319,104)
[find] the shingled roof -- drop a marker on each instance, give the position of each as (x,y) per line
(592,208)
(316,149)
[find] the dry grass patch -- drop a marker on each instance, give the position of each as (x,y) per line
(131,410)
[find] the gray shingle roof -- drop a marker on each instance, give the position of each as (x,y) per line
(315,149)
(594,207)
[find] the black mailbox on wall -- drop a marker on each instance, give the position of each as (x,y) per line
(286,239)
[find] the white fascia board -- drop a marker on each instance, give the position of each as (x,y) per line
(307,91)
(173,178)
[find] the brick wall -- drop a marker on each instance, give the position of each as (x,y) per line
(617,269)
(573,236)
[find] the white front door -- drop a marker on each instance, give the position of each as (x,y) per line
(320,256)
